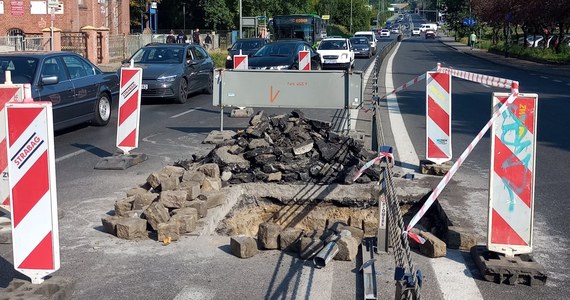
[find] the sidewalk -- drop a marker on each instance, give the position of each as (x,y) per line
(553,69)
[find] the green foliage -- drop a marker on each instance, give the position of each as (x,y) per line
(536,54)
(219,57)
(217,14)
(338,30)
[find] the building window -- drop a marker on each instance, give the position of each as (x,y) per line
(15,32)
(81,4)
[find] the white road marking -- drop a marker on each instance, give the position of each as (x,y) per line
(451,272)
(406,152)
(74,154)
(543,77)
(186,112)
(557,80)
(455,279)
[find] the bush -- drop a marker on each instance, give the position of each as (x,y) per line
(337,30)
(219,56)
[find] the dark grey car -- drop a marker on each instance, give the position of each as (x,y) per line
(78,90)
(174,70)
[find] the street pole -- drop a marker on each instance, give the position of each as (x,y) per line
(52,17)
(350,16)
(240,25)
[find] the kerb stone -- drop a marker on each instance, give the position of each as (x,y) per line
(309,246)
(155,214)
(347,248)
(433,246)
(142,200)
(186,222)
(289,239)
(173,171)
(173,199)
(460,238)
(123,206)
(131,228)
(168,230)
(200,206)
(110,224)
(193,175)
(192,188)
(214,199)
(243,246)
(268,235)
(211,170)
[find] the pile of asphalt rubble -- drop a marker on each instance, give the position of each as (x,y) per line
(286,149)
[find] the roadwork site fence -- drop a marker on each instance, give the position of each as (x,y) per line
(407,277)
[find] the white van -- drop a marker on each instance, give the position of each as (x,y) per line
(431,26)
(370,36)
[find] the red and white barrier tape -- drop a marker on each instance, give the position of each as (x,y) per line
(479,78)
(381,155)
(514,93)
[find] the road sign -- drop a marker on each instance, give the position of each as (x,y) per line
(513,157)
(35,236)
(240,62)
(305,60)
(129,109)
(53,3)
(438,117)
(469,22)
(8,93)
(325,17)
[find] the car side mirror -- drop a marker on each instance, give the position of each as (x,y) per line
(48,80)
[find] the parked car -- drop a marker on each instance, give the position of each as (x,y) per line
(385,33)
(416,32)
(79,91)
(336,53)
(531,41)
(246,46)
(174,70)
(430,34)
(361,47)
(370,36)
(283,55)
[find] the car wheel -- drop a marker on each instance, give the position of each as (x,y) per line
(209,89)
(102,110)
(182,91)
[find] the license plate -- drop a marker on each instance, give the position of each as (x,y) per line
(330,61)
(144,86)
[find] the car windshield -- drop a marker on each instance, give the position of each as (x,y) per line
(359,40)
(159,55)
(22,69)
(333,45)
(246,45)
(276,49)
(366,36)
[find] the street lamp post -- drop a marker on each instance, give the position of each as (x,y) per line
(350,16)
(240,18)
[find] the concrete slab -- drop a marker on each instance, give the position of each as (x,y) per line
(495,267)
(120,161)
(245,112)
(431,168)
(218,137)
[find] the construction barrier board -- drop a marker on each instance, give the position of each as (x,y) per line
(129,109)
(513,158)
(241,62)
(304,60)
(438,117)
(8,93)
(31,165)
(288,89)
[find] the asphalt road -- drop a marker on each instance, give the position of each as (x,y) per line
(467,195)
(104,267)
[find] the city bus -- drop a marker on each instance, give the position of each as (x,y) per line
(308,27)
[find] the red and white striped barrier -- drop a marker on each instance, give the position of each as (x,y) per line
(8,93)
(376,160)
(438,117)
(129,109)
(445,180)
(305,60)
(241,62)
(35,236)
(511,197)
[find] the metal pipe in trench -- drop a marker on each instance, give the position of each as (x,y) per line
(325,255)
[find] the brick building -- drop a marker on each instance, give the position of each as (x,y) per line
(19,17)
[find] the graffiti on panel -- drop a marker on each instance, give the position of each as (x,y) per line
(513,135)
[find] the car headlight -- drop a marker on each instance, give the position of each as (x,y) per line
(365,49)
(229,57)
(344,55)
(164,79)
(279,67)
